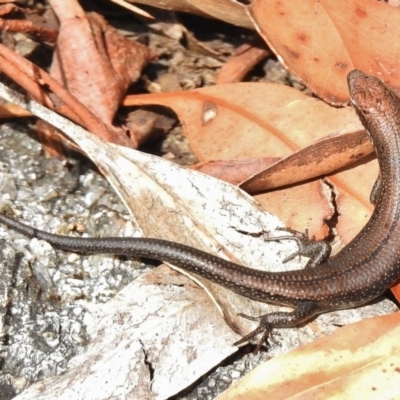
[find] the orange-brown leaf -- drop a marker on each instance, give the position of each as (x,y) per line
(323,40)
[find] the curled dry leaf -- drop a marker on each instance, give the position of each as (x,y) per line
(96,62)
(360,35)
(320,158)
(258,174)
(310,205)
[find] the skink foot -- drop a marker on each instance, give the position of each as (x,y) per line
(267,322)
(264,327)
(317,251)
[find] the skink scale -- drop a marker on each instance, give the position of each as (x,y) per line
(363,270)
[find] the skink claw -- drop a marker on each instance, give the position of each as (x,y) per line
(263,327)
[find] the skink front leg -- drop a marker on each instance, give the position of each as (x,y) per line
(317,251)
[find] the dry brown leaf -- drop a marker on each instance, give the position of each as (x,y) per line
(249,120)
(95,62)
(359,35)
(357,183)
(13,111)
(320,158)
(259,174)
(259,120)
(34,25)
(235,171)
(359,361)
(229,11)
(45,89)
(243,61)
(307,206)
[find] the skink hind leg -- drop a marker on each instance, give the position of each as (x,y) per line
(303,312)
(317,251)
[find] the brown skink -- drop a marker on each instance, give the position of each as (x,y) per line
(363,270)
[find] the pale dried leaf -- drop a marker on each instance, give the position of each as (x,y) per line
(138,330)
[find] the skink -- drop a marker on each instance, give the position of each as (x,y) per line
(363,270)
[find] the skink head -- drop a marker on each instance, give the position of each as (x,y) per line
(368,94)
